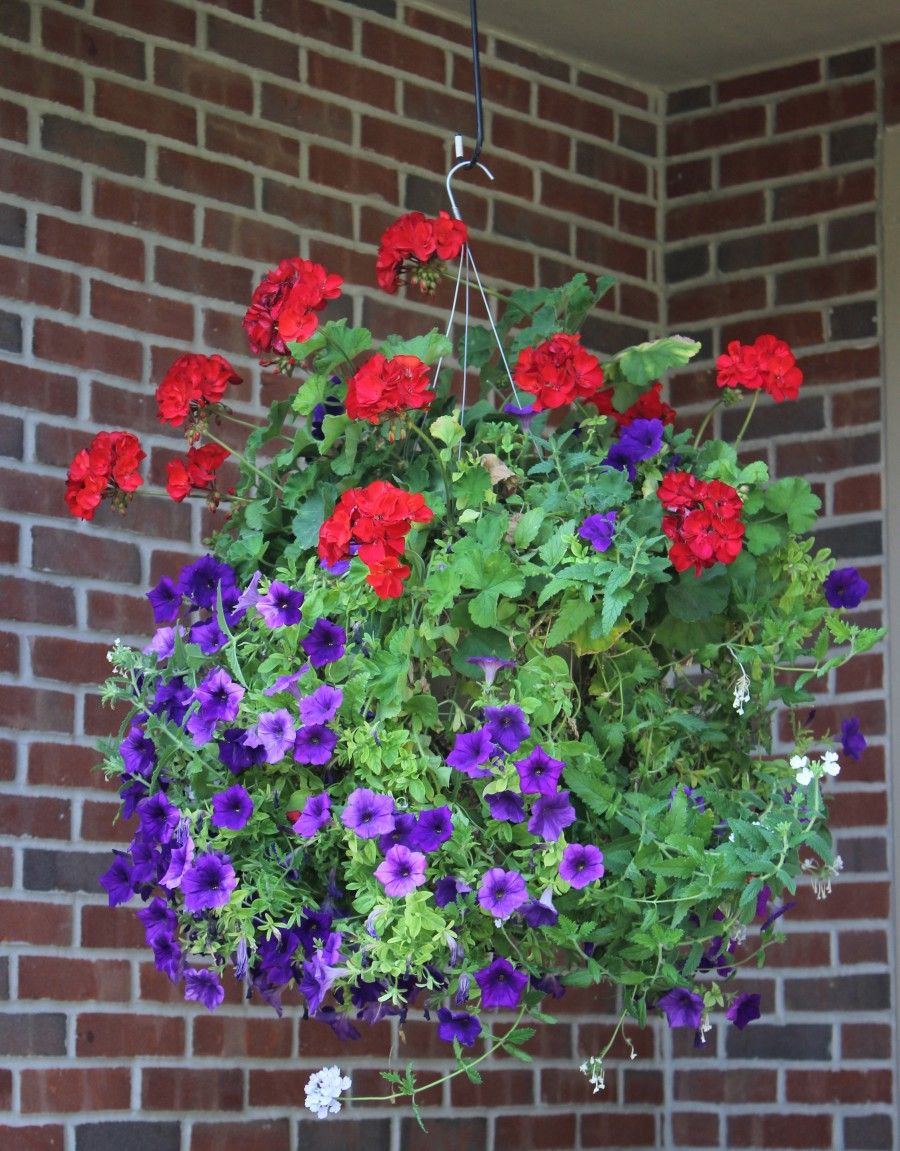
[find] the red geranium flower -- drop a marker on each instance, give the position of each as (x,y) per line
(558,371)
(702,521)
(415,246)
(108,466)
(649,406)
(285,303)
(197,471)
(382,385)
(193,382)
(767,363)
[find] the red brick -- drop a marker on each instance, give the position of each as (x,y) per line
(611,253)
(166,20)
(36,816)
(76,1089)
(698,133)
(98,824)
(569,1085)
(275,55)
(532,1132)
(145,110)
(143,209)
(203,177)
(636,97)
(239,1038)
(768,162)
(828,195)
(111,927)
(41,180)
(720,214)
(318,21)
(318,212)
(891,72)
(566,195)
(141,311)
(576,113)
(403,53)
(89,144)
(497,1089)
(611,167)
(259,1135)
(44,924)
(185,1089)
(637,219)
(593,1037)
(48,1137)
(869,1041)
(826,105)
(844,278)
(526,139)
(714,1086)
(859,809)
(63,765)
(688,177)
(24,709)
(780,1129)
(58,976)
(201,79)
(26,74)
(863,947)
(771,80)
(13,122)
(617,1129)
(91,247)
(62,551)
(249,142)
(206,278)
(841,365)
(40,284)
(498,85)
(693,304)
(404,143)
(855,407)
(864,672)
(9,652)
(9,543)
(73,36)
(350,80)
(804,949)
(848,900)
(350,173)
(112,1035)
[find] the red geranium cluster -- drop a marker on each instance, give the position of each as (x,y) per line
(197,471)
(559,371)
(191,383)
(284,305)
(702,519)
(415,245)
(767,363)
(383,385)
(649,406)
(373,523)
(109,466)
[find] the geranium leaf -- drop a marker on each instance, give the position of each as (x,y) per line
(694,598)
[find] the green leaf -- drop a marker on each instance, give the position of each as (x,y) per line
(572,614)
(644,363)
(695,598)
(428,348)
(308,520)
(793,497)
(762,538)
(446,430)
(341,345)
(344,463)
(423,707)
(614,604)
(528,527)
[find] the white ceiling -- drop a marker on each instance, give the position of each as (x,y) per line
(676,43)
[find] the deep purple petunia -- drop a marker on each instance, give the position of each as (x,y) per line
(403,832)
(550,814)
(490,665)
(433,827)
(541,912)
(208,636)
(401,871)
(280,606)
(507,726)
(235,753)
(116,880)
(208,882)
(173,699)
(581,864)
(683,1008)
(501,985)
(598,530)
(138,752)
(314,744)
(506,806)
(232,808)
(219,697)
(275,732)
(200,580)
(325,643)
(204,986)
(322,705)
(743,1009)
(315,815)
(147,862)
(853,742)
(158,817)
(368,814)
(458,1025)
(448,889)
(165,599)
(470,750)
(158,919)
(539,772)
(523,414)
(845,587)
(166,955)
(502,892)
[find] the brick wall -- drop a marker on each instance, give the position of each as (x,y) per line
(155,159)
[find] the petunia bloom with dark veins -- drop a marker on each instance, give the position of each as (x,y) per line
(325,643)
(458,1025)
(501,984)
(507,726)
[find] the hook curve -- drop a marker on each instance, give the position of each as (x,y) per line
(452,173)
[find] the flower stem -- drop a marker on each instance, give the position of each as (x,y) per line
(747,419)
(244,461)
(432,447)
(704,423)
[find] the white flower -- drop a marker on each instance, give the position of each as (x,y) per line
(800,764)
(324,1089)
(821,875)
(593,1068)
(830,763)
(741,692)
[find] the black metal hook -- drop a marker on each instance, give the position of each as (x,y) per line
(476,71)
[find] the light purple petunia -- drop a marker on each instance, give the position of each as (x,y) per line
(180,859)
(550,815)
(470,750)
(232,808)
(208,882)
(502,892)
(539,772)
(163,643)
(598,530)
(683,1008)
(490,665)
(507,726)
(401,871)
(368,814)
(286,683)
(158,919)
(581,864)
(314,744)
(275,732)
(219,696)
(204,986)
(280,606)
(325,643)
(315,815)
(433,827)
(322,705)
(167,955)
(501,985)
(541,912)
(506,806)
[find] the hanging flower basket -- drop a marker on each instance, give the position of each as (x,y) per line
(471,699)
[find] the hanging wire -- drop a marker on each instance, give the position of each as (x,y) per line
(476,73)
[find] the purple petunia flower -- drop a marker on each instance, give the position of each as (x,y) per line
(501,985)
(853,742)
(403,832)
(275,732)
(235,753)
(219,696)
(490,665)
(598,530)
(158,919)
(682,1007)
(232,808)
(523,414)
(541,912)
(165,599)
(458,1025)
(166,955)
(507,726)
(204,986)
(433,827)
(744,1008)
(315,814)
(470,750)
(690,793)
(280,606)
(550,814)
(173,699)
(314,744)
(200,581)
(539,772)
(368,814)
(208,882)
(845,587)
(180,859)
(250,596)
(506,806)
(116,880)
(138,752)
(208,636)
(158,817)
(338,568)
(448,889)
(163,643)
(581,864)
(502,892)
(325,643)
(322,705)
(286,683)
(401,871)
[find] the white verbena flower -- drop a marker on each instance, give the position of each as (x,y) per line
(800,764)
(741,692)
(821,876)
(324,1089)
(830,763)
(593,1068)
